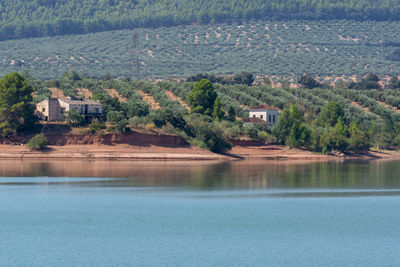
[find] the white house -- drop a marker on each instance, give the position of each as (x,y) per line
(52,109)
(262,113)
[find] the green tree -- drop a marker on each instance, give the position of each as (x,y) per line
(371,81)
(330,114)
(306,81)
(291,129)
(115,116)
(17,112)
(204,100)
(358,140)
(218,113)
(394,83)
(74,118)
(207,134)
(335,138)
(231,114)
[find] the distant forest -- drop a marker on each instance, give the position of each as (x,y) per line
(35,18)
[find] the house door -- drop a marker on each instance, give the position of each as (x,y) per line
(46,118)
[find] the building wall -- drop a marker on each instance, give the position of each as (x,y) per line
(92,109)
(258,114)
(48,110)
(95,109)
(272,117)
(269,116)
(53,109)
(42,109)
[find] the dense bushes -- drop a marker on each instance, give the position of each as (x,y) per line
(38,142)
(324,120)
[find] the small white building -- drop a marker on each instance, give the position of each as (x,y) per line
(54,109)
(262,113)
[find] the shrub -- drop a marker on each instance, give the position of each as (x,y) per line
(101,133)
(251,132)
(96,127)
(308,82)
(207,134)
(150,126)
(74,118)
(38,142)
(135,121)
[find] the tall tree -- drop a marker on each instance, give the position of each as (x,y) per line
(204,100)
(17,112)
(330,114)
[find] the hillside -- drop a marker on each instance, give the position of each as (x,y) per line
(21,19)
(279,49)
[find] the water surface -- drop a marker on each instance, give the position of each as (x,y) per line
(110,213)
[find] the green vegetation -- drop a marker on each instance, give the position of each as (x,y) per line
(22,19)
(278,48)
(17,112)
(73,118)
(291,129)
(38,142)
(321,119)
(204,100)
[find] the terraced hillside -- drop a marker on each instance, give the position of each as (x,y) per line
(364,106)
(276,48)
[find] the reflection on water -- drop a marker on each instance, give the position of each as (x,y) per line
(197,175)
(110,213)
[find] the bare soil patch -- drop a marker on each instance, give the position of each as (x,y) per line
(388,106)
(172,96)
(86,93)
(114,93)
(362,107)
(149,100)
(56,92)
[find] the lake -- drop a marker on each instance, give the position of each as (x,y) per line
(244,213)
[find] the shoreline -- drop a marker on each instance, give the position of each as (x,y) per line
(126,152)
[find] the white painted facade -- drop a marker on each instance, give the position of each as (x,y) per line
(269,116)
(266,113)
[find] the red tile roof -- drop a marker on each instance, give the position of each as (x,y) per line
(263,106)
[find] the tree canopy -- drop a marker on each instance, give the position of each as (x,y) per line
(204,100)
(22,19)
(17,112)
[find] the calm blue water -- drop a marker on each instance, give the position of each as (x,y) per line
(186,220)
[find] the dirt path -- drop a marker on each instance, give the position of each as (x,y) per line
(86,93)
(114,93)
(171,96)
(149,100)
(363,108)
(388,106)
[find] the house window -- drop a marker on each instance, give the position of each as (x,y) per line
(43,109)
(254,116)
(273,118)
(269,118)
(96,110)
(261,116)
